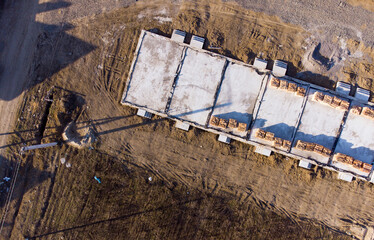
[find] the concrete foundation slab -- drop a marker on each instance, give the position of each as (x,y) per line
(356,139)
(154,69)
(279,113)
(174,80)
(196,86)
(238,95)
(320,124)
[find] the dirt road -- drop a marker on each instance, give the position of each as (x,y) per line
(18,34)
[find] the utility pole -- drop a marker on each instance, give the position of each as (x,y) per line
(32,147)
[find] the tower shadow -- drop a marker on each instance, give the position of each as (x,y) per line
(55,49)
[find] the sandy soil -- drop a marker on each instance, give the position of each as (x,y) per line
(102,47)
(17,37)
(367,4)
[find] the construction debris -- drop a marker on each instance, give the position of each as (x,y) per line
(313,147)
(269,136)
(275,82)
(287,85)
(334,102)
(310,146)
(81,138)
(292,87)
(223,123)
(286,144)
(356,110)
(260,134)
(301,91)
(368,112)
(97,179)
(278,142)
(214,121)
(318,148)
(301,145)
(242,127)
(364,167)
(233,123)
(357,164)
(365,111)
(326,152)
(327,99)
(283,85)
(344,105)
(318,96)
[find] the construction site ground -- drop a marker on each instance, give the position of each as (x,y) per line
(159,182)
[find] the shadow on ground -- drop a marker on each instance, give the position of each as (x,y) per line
(8,175)
(55,49)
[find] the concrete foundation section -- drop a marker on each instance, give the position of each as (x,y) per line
(249,104)
(356,139)
(319,124)
(238,95)
(279,113)
(154,69)
(196,86)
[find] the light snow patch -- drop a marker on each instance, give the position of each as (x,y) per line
(163,19)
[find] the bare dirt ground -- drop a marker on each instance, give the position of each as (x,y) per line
(367,4)
(19,32)
(17,40)
(21,24)
(328,17)
(88,67)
